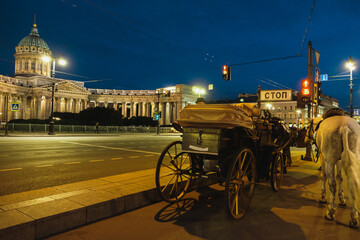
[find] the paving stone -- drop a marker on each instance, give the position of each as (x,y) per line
(26,203)
(91,198)
(52,208)
(80,185)
(70,194)
(29,195)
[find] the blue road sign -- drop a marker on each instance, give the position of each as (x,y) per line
(15,107)
(323,77)
(356,112)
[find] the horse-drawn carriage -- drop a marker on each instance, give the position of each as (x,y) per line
(233,144)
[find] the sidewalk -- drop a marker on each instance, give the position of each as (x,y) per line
(40,213)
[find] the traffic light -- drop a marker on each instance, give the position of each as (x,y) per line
(226,73)
(319,92)
(305,88)
(304,96)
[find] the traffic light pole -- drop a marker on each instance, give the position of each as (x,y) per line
(307,156)
(158,126)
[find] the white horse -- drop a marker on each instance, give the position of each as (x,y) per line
(338,138)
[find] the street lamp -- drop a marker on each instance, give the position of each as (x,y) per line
(62,62)
(350,65)
(199,91)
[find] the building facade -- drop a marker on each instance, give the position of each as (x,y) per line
(286,108)
(31,90)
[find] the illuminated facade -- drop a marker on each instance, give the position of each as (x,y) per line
(31,89)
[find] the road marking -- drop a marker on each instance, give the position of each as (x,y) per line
(9,169)
(134,157)
(40,166)
(114,148)
(4,155)
(72,163)
(149,155)
(97,160)
(116,158)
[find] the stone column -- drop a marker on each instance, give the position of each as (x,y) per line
(47,108)
(167,110)
(38,107)
(132,109)
(123,109)
(2,102)
(23,107)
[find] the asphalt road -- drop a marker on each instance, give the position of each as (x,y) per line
(28,163)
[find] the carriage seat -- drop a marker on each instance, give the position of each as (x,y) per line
(218,115)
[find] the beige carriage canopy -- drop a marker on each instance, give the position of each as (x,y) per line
(219,115)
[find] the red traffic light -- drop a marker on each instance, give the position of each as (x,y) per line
(226,73)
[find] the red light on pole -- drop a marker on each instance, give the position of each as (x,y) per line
(226,73)
(305,90)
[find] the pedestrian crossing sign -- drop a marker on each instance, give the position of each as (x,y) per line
(15,107)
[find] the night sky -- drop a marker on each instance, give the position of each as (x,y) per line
(151,44)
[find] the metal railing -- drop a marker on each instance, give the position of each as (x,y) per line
(44,128)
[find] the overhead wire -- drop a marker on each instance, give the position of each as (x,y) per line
(286,57)
(281,85)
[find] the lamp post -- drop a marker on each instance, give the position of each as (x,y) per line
(53,85)
(350,65)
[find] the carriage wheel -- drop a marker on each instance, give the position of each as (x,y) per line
(172,172)
(277,171)
(240,183)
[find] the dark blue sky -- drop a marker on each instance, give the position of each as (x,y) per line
(151,44)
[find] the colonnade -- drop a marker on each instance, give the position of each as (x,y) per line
(37,107)
(169,110)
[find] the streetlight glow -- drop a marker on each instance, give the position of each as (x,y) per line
(62,62)
(350,66)
(199,91)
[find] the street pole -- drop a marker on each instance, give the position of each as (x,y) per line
(158,110)
(6,114)
(51,127)
(52,124)
(308,144)
(351,91)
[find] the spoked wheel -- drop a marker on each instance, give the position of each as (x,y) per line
(173,172)
(240,183)
(277,171)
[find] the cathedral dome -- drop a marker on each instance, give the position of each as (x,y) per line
(34,39)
